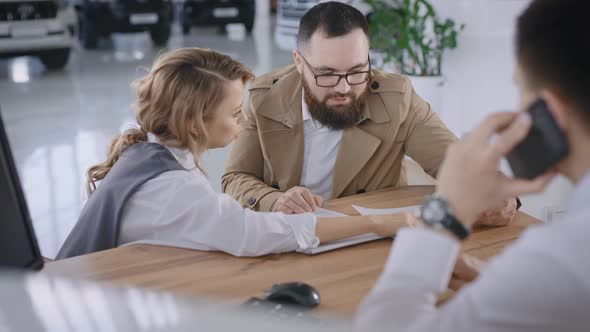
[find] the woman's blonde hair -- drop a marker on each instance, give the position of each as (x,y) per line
(180,92)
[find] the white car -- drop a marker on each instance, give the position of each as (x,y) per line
(44,28)
(289,13)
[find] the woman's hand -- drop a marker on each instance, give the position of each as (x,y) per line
(389,224)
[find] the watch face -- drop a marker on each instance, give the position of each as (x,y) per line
(436,213)
(433,212)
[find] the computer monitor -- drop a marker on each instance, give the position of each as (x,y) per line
(18,244)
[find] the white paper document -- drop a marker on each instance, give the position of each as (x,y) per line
(340,243)
(359,238)
(328,213)
(363,211)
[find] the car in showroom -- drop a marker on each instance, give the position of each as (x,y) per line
(217,12)
(101,18)
(289,13)
(43,28)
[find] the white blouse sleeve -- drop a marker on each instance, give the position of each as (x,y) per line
(181,209)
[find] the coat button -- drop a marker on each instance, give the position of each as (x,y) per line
(251,200)
(375,85)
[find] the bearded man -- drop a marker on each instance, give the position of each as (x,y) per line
(331,126)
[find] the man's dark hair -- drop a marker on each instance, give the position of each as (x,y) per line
(334,19)
(553,48)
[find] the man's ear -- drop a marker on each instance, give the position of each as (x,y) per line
(558,107)
(298,62)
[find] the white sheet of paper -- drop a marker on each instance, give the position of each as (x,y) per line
(328,213)
(363,211)
(359,238)
(340,243)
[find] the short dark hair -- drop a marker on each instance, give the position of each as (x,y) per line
(553,48)
(335,19)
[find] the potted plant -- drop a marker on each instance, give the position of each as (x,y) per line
(408,37)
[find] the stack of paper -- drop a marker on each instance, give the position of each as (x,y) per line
(355,239)
(376,212)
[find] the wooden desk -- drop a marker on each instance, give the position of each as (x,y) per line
(343,276)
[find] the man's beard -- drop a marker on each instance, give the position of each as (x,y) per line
(335,117)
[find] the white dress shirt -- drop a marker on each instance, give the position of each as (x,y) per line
(181,209)
(321,146)
(539,283)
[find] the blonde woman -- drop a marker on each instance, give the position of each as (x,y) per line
(152,189)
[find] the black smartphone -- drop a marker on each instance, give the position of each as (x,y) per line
(544,146)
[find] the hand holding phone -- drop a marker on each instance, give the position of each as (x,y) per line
(544,146)
(469,179)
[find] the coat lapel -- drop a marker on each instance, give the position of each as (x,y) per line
(283,103)
(357,146)
(284,140)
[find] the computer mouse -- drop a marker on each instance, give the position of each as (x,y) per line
(294,293)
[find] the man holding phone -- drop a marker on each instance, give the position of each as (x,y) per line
(540,283)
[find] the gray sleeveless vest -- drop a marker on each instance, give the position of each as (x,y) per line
(99,223)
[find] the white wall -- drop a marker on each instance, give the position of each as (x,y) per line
(479,77)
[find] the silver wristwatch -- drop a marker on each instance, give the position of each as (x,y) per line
(436,213)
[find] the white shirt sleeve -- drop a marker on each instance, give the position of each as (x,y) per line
(527,288)
(180,209)
(418,268)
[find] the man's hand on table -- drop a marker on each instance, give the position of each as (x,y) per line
(500,216)
(297,200)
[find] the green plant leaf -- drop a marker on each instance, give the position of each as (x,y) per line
(410,33)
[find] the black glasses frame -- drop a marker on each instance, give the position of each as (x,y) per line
(345,76)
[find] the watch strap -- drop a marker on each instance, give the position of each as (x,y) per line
(454,226)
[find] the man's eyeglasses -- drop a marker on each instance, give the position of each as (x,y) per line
(332,80)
